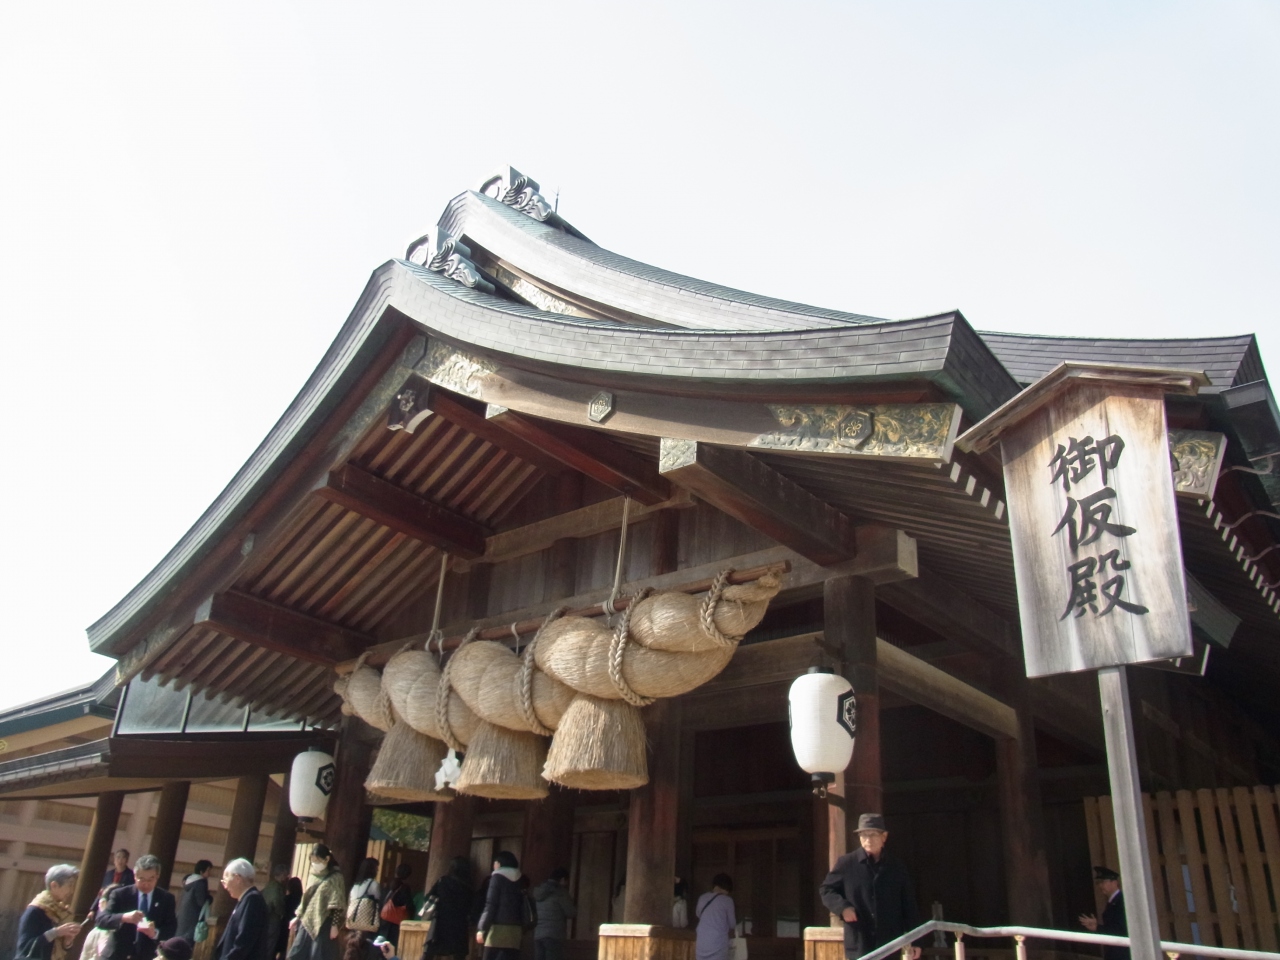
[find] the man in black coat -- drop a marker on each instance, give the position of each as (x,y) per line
(871,892)
(140,914)
(1114,921)
(247,934)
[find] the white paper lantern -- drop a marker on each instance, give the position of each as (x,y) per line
(310,782)
(823,721)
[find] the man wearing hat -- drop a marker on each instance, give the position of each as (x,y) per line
(1113,920)
(870,891)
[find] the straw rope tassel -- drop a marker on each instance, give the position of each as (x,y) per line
(442,697)
(526,678)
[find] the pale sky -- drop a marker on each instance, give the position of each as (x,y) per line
(192,196)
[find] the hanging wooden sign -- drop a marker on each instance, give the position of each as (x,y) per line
(1094,525)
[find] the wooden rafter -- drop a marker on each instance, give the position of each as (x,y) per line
(590,453)
(753,492)
(402,511)
(278,628)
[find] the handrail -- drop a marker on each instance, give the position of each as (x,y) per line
(1019,934)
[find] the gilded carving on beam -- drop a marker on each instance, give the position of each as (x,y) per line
(1196,459)
(882,430)
(453,369)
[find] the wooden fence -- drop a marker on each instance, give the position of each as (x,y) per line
(1215,862)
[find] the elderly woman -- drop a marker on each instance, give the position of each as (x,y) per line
(47,927)
(321,912)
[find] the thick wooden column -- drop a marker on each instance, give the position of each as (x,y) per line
(561,571)
(348,817)
(548,834)
(1021,810)
(97,851)
(242,835)
(450,835)
(849,624)
(652,821)
(285,836)
(168,827)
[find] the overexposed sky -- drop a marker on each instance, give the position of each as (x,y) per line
(192,196)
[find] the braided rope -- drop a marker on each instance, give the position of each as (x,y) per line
(618,647)
(526,678)
(442,697)
(708,613)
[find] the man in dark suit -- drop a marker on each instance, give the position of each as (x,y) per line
(140,914)
(246,936)
(1114,921)
(871,892)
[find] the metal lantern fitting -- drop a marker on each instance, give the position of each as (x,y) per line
(823,723)
(311,780)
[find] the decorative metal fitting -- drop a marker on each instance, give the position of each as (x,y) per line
(451,257)
(518,191)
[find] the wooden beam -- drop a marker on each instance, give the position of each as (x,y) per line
(885,555)
(949,612)
(573,524)
(419,398)
(402,511)
(278,628)
(589,452)
(749,490)
(950,696)
(778,662)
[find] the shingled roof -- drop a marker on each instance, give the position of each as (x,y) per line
(1228,361)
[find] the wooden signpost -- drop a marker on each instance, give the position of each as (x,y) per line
(1097,558)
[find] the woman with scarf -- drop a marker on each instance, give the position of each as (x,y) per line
(47,926)
(320,914)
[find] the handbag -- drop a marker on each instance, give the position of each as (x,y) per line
(362,912)
(201,933)
(393,913)
(738,948)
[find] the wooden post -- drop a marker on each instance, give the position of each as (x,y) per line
(97,851)
(285,836)
(242,835)
(1126,798)
(168,827)
(548,834)
(450,835)
(561,571)
(1021,813)
(849,622)
(652,821)
(348,817)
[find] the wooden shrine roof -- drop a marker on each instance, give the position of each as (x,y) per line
(283,545)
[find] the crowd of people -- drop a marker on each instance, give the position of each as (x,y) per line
(324,919)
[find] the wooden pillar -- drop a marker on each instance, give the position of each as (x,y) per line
(285,836)
(450,835)
(242,835)
(548,834)
(1021,811)
(652,821)
(561,572)
(849,623)
(18,849)
(97,851)
(168,828)
(348,817)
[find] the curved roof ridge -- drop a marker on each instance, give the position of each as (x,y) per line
(587,270)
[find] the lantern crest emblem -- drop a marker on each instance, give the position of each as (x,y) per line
(847,712)
(325,778)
